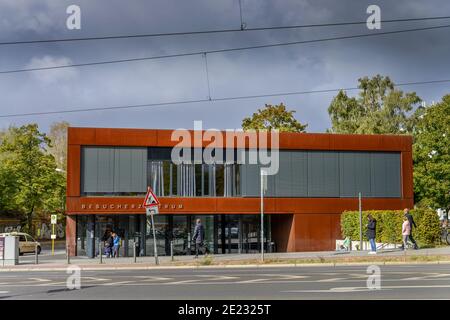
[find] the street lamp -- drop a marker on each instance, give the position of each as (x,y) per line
(263,175)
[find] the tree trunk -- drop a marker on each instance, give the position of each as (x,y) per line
(29,226)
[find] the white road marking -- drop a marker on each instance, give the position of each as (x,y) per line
(181,282)
(152,278)
(114,283)
(3,292)
(331,280)
(426,277)
(94,279)
(252,281)
(285,276)
(216,278)
(39,279)
(358,289)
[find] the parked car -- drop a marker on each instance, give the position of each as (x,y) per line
(26,242)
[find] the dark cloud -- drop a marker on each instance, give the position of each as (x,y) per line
(404,57)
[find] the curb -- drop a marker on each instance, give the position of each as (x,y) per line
(230,266)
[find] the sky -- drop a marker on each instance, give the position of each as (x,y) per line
(406,57)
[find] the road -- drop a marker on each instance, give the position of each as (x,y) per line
(344,282)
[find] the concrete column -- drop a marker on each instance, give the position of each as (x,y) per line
(71,235)
(240,235)
(90,237)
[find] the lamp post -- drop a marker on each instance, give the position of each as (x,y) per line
(263,173)
(63,210)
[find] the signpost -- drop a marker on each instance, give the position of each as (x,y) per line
(53,220)
(151,204)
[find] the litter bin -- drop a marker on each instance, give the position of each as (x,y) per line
(9,250)
(272,247)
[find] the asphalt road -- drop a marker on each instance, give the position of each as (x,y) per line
(397,282)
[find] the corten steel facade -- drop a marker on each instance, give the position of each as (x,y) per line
(308,221)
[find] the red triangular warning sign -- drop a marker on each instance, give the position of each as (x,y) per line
(150,199)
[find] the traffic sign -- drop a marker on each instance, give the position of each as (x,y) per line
(151,210)
(150,199)
(53,218)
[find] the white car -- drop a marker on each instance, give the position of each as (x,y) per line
(26,242)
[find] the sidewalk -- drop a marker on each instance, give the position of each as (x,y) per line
(388,256)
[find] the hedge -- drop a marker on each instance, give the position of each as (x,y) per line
(389,226)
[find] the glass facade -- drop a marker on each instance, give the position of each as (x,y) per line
(223,233)
(120,171)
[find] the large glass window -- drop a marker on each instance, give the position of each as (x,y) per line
(220,179)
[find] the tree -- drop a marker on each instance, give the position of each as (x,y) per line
(38,186)
(273,117)
(379,108)
(58,137)
(431,154)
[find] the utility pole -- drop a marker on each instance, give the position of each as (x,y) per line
(262,173)
(360,223)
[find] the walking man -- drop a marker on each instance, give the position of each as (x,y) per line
(371,233)
(412,225)
(199,236)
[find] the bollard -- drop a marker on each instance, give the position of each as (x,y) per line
(68,255)
(189,244)
(171,249)
(36,260)
(100,251)
(134,251)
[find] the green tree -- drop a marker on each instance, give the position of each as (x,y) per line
(38,186)
(273,117)
(379,108)
(431,154)
(58,148)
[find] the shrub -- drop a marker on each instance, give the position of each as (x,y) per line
(428,227)
(389,225)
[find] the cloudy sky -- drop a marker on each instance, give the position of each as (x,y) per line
(406,57)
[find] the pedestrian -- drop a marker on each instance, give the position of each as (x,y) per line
(116,244)
(105,242)
(371,233)
(198,237)
(109,243)
(406,231)
(412,224)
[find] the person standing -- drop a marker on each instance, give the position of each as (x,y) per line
(199,236)
(371,233)
(412,224)
(116,243)
(109,243)
(406,231)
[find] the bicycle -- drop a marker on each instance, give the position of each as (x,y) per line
(445,235)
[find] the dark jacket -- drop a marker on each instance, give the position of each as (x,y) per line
(371,229)
(411,220)
(109,242)
(199,233)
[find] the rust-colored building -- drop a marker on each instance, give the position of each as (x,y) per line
(320,176)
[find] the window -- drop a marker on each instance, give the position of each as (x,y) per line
(113,170)
(220,182)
